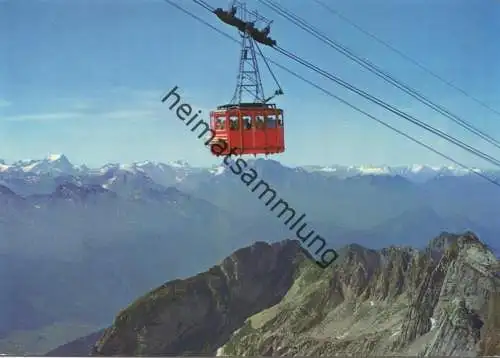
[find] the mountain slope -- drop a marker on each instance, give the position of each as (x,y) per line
(78,347)
(395,300)
(198,314)
(430,303)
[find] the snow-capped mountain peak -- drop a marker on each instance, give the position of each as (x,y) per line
(3,167)
(177,171)
(53,163)
(218,170)
(179,164)
(373,170)
(416,172)
(56,157)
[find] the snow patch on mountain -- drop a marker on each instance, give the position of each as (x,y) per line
(177,171)
(54,157)
(369,170)
(218,170)
(414,172)
(179,164)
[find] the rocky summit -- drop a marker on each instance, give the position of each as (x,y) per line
(272,300)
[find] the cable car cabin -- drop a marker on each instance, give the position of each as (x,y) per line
(247,128)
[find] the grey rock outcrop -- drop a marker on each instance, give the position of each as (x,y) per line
(272,300)
(197,315)
(400,301)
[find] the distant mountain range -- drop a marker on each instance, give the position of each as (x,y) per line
(59,164)
(77,243)
(384,202)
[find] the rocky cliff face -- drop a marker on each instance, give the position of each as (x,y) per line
(490,340)
(396,301)
(272,300)
(198,315)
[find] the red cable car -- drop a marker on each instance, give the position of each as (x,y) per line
(257,127)
(247,128)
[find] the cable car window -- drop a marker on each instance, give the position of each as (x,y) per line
(247,122)
(234,123)
(259,122)
(280,120)
(220,122)
(271,121)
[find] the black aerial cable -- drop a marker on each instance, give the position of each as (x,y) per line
(407,57)
(445,156)
(280,90)
(383,104)
(389,107)
(378,71)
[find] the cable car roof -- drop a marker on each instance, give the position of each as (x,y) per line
(248,105)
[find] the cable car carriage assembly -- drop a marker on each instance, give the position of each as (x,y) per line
(256,126)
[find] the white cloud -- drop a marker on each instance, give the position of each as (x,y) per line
(74,103)
(130,115)
(44,116)
(137,94)
(4,103)
(81,104)
(118,114)
(131,105)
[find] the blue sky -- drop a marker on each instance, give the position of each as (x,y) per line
(85,78)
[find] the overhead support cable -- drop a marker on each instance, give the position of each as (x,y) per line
(445,156)
(390,108)
(300,22)
(407,57)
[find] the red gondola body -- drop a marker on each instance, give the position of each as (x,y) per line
(243,128)
(247,128)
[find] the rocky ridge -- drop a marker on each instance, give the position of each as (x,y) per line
(271,300)
(398,301)
(197,315)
